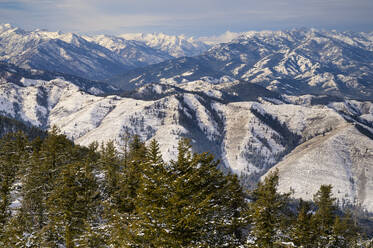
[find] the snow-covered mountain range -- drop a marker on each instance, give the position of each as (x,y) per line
(299,61)
(248,127)
(300,100)
(93,57)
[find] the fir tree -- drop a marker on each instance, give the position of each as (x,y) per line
(345,232)
(73,201)
(110,164)
(73,196)
(302,233)
(152,200)
(325,215)
(204,205)
(121,206)
(12,155)
(267,213)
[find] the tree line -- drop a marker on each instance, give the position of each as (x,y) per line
(54,193)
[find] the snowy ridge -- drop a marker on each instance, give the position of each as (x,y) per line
(176,46)
(249,136)
(342,158)
(96,58)
(56,51)
(297,62)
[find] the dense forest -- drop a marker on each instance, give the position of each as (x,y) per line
(54,193)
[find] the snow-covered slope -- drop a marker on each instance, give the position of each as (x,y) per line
(342,158)
(297,62)
(249,131)
(176,46)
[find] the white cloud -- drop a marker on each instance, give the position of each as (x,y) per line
(223,38)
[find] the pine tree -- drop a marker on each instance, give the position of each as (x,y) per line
(73,196)
(345,233)
(72,203)
(204,206)
(12,154)
(33,215)
(130,179)
(267,212)
(152,200)
(120,206)
(325,215)
(302,233)
(110,164)
(43,173)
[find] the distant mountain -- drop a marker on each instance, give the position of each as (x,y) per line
(95,58)
(17,75)
(135,53)
(293,62)
(58,52)
(176,46)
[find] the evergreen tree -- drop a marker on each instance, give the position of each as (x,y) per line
(152,200)
(12,155)
(345,233)
(73,196)
(132,169)
(267,213)
(325,215)
(42,187)
(121,206)
(73,202)
(302,233)
(204,206)
(110,164)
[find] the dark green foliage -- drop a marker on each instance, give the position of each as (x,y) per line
(332,230)
(303,231)
(9,125)
(267,213)
(72,203)
(326,212)
(12,153)
(73,196)
(206,207)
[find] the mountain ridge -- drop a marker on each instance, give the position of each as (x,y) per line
(266,100)
(92,57)
(249,132)
(291,62)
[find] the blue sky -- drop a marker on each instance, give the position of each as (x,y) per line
(190,17)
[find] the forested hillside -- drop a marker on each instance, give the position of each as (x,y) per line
(9,125)
(54,193)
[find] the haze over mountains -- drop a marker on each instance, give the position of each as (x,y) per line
(298,100)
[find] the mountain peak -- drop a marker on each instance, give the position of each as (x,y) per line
(175,45)
(9,28)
